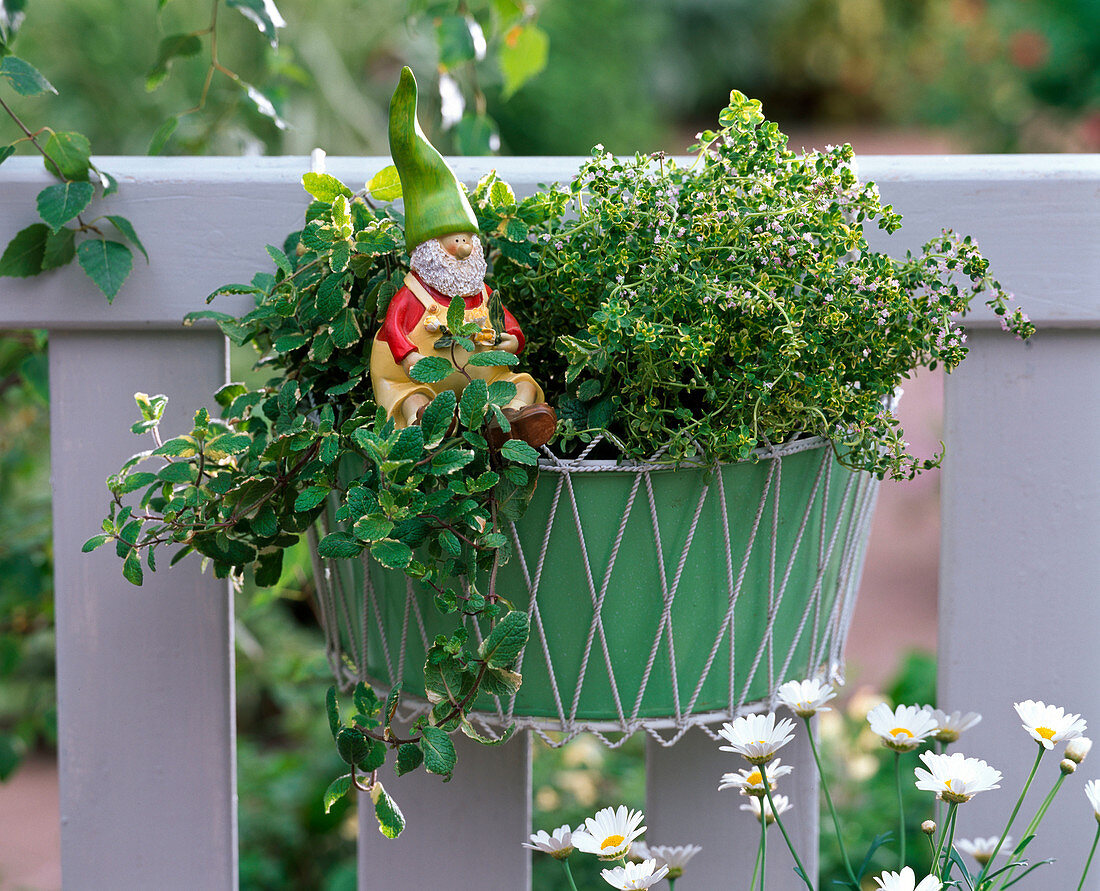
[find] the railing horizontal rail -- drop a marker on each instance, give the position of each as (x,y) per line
(206,221)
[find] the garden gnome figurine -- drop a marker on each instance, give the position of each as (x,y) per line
(447,263)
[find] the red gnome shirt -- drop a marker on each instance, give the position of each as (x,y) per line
(405,312)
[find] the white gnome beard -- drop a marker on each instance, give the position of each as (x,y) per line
(447,274)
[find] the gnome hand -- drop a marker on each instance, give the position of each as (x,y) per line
(509,343)
(410,360)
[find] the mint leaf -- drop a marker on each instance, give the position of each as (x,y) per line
(385,185)
(439,751)
(324,187)
(339,545)
(390,819)
(502,647)
(493,357)
(431,370)
(391,553)
(336,790)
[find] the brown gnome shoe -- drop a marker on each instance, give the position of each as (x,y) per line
(533,424)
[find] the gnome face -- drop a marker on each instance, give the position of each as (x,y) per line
(453,264)
(458,245)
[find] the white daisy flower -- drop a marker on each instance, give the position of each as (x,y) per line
(756,737)
(950,726)
(675,858)
(559,845)
(757,805)
(901,729)
(805,698)
(907,881)
(751,782)
(981,849)
(955,778)
(1077,750)
(608,835)
(639,852)
(1092,792)
(634,875)
(1049,724)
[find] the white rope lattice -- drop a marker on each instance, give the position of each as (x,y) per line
(809,555)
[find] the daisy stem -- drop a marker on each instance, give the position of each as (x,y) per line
(763,847)
(901,808)
(1015,811)
(949,831)
(829,802)
(1088,863)
(937,866)
(1034,825)
(568,874)
(671,884)
(938,806)
(782,828)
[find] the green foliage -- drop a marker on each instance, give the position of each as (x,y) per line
(709,310)
(28,712)
(422,500)
(38,248)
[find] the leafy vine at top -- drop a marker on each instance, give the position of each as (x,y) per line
(692,312)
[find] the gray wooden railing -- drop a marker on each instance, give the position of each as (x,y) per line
(145,676)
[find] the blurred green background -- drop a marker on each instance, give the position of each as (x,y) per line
(888,76)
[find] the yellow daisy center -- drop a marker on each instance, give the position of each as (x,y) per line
(900,731)
(612,841)
(1045,732)
(754,778)
(947,783)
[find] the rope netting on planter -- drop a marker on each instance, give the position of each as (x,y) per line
(660,598)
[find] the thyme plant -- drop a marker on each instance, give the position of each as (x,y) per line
(712,308)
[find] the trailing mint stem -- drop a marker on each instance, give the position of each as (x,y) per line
(1088,863)
(1015,811)
(829,802)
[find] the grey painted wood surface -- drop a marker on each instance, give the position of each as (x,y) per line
(206,223)
(144,675)
(465,835)
(1020,571)
(684,806)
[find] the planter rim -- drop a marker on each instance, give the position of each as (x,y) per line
(552,463)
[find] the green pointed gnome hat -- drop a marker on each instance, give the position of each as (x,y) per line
(435,203)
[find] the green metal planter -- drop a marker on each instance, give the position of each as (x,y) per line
(659,598)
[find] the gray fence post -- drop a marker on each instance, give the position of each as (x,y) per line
(144,675)
(1020,573)
(465,835)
